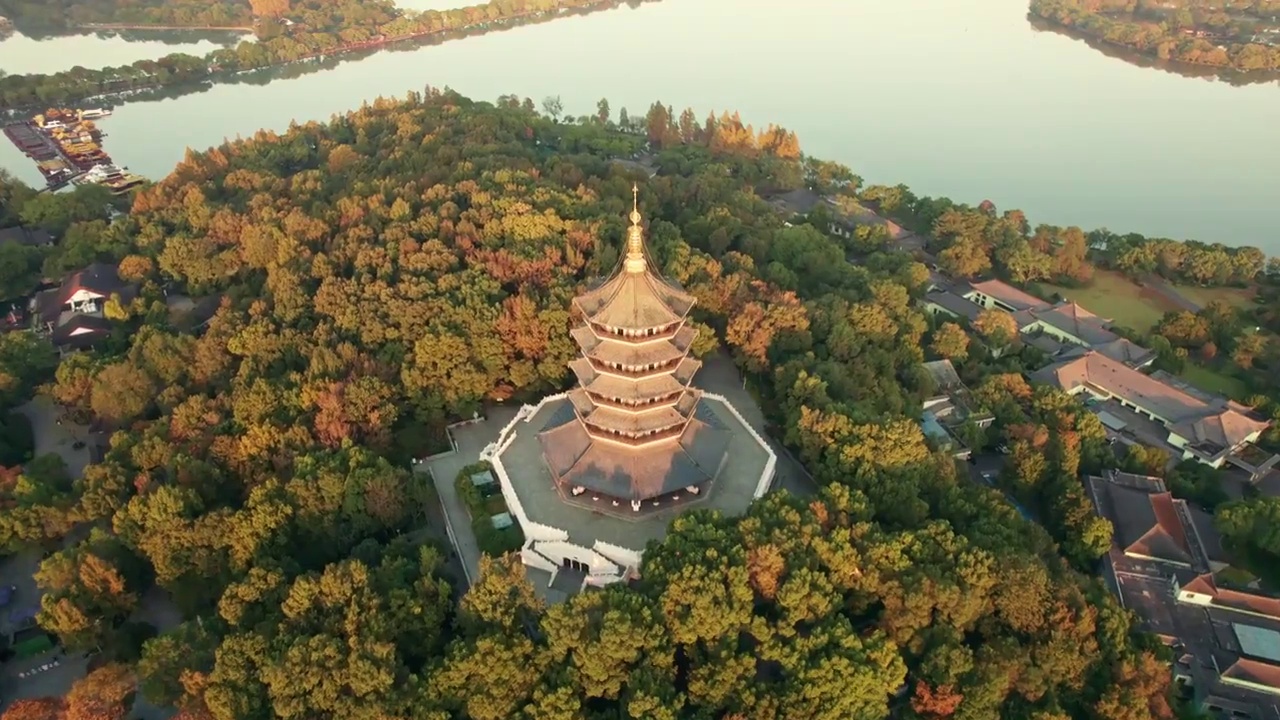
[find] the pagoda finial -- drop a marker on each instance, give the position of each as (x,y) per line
(635,235)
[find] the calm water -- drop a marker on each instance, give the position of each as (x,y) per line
(962,99)
(21,55)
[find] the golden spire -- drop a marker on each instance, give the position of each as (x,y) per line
(635,235)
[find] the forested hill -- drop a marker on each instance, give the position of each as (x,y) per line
(392,269)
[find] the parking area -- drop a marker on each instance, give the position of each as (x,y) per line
(50,673)
(66,439)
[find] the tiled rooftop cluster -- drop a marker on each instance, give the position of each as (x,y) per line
(1165,563)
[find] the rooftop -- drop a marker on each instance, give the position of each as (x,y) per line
(634,473)
(531,480)
(25,236)
(955,304)
(654,386)
(1007,294)
(1254,673)
(1072,319)
(944,375)
(1125,351)
(1258,642)
(1222,423)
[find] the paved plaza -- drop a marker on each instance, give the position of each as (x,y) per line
(730,493)
(718,375)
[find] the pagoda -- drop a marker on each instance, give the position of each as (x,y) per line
(638,431)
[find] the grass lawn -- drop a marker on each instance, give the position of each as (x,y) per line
(1112,295)
(1213,381)
(1236,297)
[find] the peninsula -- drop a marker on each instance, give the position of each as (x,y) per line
(285,411)
(286,34)
(1244,36)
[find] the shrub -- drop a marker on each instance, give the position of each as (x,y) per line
(490,540)
(17,441)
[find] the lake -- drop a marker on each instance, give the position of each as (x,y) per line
(963,99)
(20,55)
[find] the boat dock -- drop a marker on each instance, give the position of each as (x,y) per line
(66,146)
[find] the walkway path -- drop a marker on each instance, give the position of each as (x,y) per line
(1163,288)
(470,439)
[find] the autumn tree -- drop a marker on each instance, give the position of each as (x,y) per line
(950,341)
(996,326)
(36,709)
(104,694)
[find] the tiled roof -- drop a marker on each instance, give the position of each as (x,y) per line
(610,350)
(1008,294)
(99,278)
(81,331)
(1264,605)
(954,304)
(635,301)
(1148,525)
(655,386)
(1254,672)
(576,459)
(944,374)
(1125,351)
(25,236)
(1223,423)
(649,419)
(1072,319)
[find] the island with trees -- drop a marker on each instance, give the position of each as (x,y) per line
(287,33)
(1241,36)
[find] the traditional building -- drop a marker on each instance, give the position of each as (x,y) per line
(635,434)
(605,467)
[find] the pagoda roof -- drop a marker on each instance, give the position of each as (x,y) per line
(635,301)
(635,297)
(692,458)
(625,352)
(613,386)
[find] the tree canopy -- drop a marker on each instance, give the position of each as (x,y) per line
(392,270)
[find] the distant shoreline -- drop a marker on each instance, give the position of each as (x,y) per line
(214,74)
(181,28)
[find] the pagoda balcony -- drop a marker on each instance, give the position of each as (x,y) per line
(632,352)
(634,439)
(635,372)
(635,336)
(636,404)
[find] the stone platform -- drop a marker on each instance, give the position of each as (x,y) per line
(604,542)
